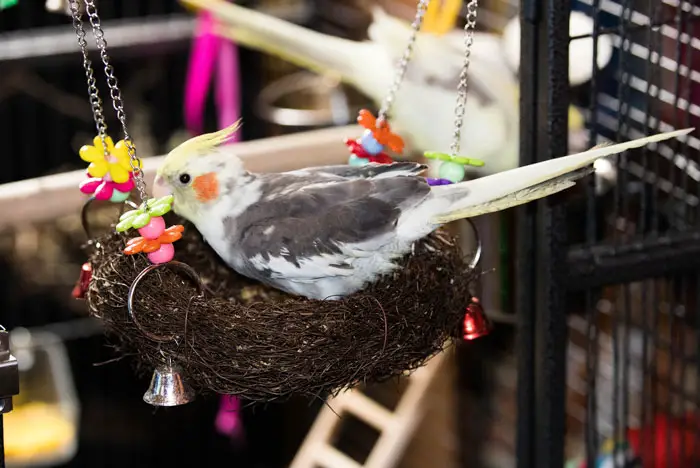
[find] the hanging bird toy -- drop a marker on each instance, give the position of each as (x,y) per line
(298,283)
(377,136)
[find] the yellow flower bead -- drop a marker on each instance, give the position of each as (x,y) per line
(96,152)
(116,164)
(98,168)
(121,169)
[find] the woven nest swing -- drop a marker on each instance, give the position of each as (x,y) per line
(231,335)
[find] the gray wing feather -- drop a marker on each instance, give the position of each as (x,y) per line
(320,218)
(369,171)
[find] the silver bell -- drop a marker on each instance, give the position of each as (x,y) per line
(168,388)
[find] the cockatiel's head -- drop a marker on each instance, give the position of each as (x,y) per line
(197,173)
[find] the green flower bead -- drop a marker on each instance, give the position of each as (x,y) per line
(455,159)
(451,171)
(136,219)
(140,221)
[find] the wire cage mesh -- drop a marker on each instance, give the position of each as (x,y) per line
(637,335)
(615,313)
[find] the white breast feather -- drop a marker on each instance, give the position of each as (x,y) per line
(318,277)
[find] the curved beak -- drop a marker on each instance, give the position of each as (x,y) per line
(160,188)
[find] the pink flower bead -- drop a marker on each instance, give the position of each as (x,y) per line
(104,191)
(162,255)
(88,186)
(154,229)
(127,186)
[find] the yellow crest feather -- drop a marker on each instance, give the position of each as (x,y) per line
(202,144)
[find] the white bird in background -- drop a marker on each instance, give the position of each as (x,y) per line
(327,232)
(423,111)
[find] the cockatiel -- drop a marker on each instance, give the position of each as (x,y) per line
(327,232)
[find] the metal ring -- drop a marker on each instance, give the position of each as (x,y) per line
(83,216)
(477,255)
(130,302)
(84,212)
(337,113)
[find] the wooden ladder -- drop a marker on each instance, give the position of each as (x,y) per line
(396,428)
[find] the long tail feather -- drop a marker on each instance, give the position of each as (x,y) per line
(523,184)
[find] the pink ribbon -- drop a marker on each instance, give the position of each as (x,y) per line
(211,53)
(228,419)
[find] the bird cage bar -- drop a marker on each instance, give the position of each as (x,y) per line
(607,263)
(541,238)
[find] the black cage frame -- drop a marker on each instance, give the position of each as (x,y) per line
(548,267)
(541,243)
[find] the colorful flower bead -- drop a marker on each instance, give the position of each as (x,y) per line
(381,158)
(115,166)
(381,131)
(356,161)
(104,189)
(451,171)
(159,249)
(371,145)
(154,229)
(432,181)
(140,217)
(164,254)
(119,197)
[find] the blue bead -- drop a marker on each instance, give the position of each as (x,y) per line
(355,161)
(118,197)
(371,145)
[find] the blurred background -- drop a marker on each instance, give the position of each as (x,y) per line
(632,247)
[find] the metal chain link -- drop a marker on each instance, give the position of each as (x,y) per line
(116,96)
(403,61)
(469,28)
(112,83)
(93,93)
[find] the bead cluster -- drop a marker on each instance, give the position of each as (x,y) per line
(370,147)
(452,169)
(156,241)
(110,175)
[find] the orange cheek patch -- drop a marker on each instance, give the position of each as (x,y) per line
(206,187)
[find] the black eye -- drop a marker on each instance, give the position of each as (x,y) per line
(184,178)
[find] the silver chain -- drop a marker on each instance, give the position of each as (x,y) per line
(469,27)
(403,61)
(112,83)
(93,93)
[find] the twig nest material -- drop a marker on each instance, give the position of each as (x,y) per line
(243,338)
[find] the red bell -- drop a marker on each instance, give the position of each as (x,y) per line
(81,286)
(476,324)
